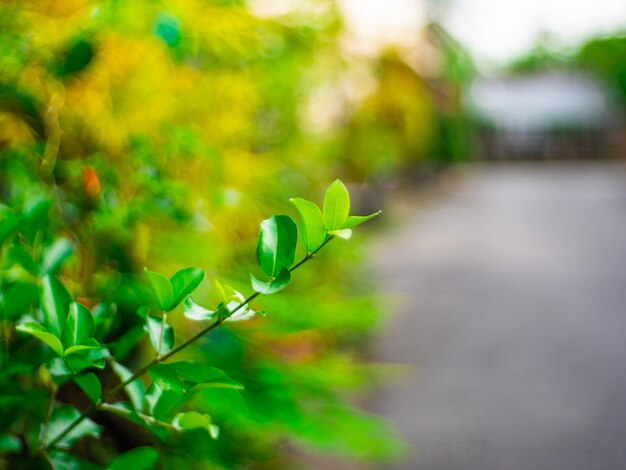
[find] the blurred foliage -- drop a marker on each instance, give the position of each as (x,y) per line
(158,133)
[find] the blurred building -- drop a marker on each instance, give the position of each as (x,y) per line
(546,115)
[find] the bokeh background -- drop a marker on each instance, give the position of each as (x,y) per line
(477,325)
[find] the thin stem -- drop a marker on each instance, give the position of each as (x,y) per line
(159,360)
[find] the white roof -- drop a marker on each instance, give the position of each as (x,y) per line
(540,101)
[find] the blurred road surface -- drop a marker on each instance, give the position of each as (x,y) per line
(511,311)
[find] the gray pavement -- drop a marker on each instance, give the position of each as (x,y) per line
(509,299)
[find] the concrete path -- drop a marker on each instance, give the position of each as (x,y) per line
(511,310)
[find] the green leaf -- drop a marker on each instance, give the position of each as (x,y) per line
(277,244)
(272,286)
(10,444)
(36,219)
(336,205)
(184,282)
(312,228)
(89,384)
(166,377)
(194,420)
(19,255)
(140,458)
(55,254)
(153,327)
(55,303)
(162,288)
(9,222)
(79,326)
(354,220)
(198,373)
(196,312)
(89,343)
(61,418)
(344,233)
(135,390)
(40,332)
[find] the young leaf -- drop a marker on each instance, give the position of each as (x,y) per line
(79,325)
(135,390)
(272,286)
(166,377)
(140,458)
(184,282)
(336,205)
(55,303)
(193,420)
(196,312)
(55,254)
(312,228)
(89,384)
(162,288)
(277,244)
(153,327)
(40,332)
(354,220)
(344,233)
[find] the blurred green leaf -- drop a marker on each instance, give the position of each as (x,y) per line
(274,285)
(162,288)
(140,458)
(90,384)
(336,205)
(9,222)
(193,311)
(276,248)
(167,378)
(55,303)
(88,344)
(55,254)
(19,255)
(40,332)
(184,282)
(61,418)
(312,228)
(193,420)
(18,299)
(79,326)
(135,390)
(354,220)
(153,327)
(344,233)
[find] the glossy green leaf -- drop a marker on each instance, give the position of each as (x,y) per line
(89,384)
(162,288)
(197,373)
(140,458)
(274,285)
(61,418)
(312,228)
(166,377)
(135,390)
(40,332)
(184,282)
(55,254)
(89,343)
(79,325)
(354,220)
(196,312)
(194,420)
(276,248)
(336,205)
(153,327)
(55,303)
(344,233)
